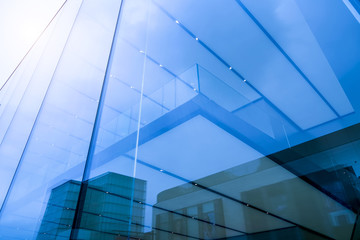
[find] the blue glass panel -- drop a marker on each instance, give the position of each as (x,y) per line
(182,119)
(61,106)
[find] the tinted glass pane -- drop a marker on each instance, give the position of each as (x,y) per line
(182,119)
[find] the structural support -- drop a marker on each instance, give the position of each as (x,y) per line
(82,195)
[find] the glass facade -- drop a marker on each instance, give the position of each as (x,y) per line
(185,119)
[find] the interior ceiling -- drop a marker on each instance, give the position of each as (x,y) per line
(284,67)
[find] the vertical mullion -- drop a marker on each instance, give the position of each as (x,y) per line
(95,132)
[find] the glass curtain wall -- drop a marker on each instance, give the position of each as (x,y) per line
(204,119)
(200,98)
(47,137)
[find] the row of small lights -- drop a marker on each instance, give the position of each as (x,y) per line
(161,170)
(248,205)
(197,39)
(160,65)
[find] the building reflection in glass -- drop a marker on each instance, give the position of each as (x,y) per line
(228,114)
(109,205)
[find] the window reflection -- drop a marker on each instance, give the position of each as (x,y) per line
(190,120)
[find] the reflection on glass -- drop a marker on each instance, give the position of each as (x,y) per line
(106,211)
(197,120)
(185,119)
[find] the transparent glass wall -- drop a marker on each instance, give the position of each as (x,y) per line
(204,119)
(200,98)
(48,137)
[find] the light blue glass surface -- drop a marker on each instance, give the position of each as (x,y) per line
(184,119)
(57,113)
